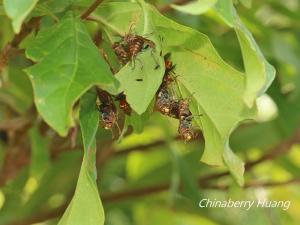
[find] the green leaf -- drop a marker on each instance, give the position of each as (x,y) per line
(225,10)
(68,65)
(86,207)
(18,10)
(89,118)
(139,94)
(259,73)
(196,7)
(39,153)
(138,121)
(215,86)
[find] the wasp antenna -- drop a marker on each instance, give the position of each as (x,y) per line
(140,61)
(132,24)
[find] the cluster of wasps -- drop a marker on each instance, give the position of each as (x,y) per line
(126,51)
(172,107)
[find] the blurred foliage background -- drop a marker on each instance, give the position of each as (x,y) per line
(146,179)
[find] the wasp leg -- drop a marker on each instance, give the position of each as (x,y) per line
(141,63)
(133,61)
(132,64)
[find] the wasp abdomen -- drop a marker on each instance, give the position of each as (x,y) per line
(121,52)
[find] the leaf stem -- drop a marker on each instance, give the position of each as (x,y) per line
(90,9)
(104,22)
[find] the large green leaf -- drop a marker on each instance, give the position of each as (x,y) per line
(86,207)
(68,65)
(18,10)
(216,87)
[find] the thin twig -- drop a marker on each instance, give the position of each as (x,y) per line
(115,197)
(16,123)
(43,216)
(150,146)
(90,9)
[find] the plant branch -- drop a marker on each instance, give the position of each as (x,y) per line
(152,145)
(16,123)
(115,197)
(43,216)
(90,9)
(283,148)
(147,191)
